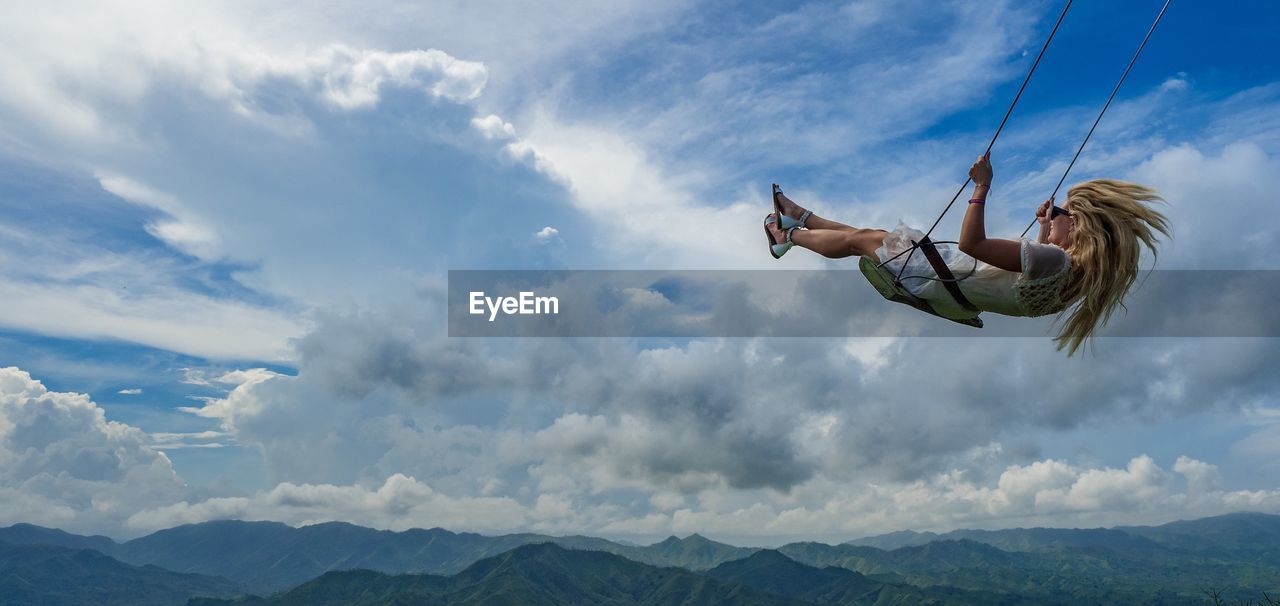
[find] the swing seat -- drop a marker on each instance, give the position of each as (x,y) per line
(883,282)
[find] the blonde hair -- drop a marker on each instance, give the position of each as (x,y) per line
(1111,217)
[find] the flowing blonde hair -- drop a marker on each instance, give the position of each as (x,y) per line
(1111,217)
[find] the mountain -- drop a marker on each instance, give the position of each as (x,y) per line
(534,574)
(50,575)
(896,540)
(928,564)
(769,571)
(1057,574)
(1015,539)
(1238,529)
(270,556)
(30,534)
(772,572)
(694,552)
(266,557)
(1171,563)
(1245,533)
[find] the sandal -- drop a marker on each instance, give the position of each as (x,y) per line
(788,222)
(777,249)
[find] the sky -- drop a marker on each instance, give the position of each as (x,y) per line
(225,230)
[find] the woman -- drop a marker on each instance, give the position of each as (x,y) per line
(1086,255)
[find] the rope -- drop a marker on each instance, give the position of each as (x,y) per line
(1104,107)
(1016,97)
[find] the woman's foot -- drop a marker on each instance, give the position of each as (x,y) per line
(790,208)
(778,234)
(778,241)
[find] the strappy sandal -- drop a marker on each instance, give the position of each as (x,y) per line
(787,222)
(777,249)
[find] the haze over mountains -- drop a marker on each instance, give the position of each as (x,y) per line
(1238,554)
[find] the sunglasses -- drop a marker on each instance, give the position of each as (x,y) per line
(1056,212)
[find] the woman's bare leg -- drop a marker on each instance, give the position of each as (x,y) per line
(840,243)
(794,211)
(834,243)
(831,239)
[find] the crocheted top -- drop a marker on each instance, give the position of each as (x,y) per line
(1041,296)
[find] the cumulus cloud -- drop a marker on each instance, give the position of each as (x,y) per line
(707,421)
(494,127)
(63,464)
(1045,492)
(1039,492)
(1241,178)
(351,78)
(546,234)
(399,503)
(67,466)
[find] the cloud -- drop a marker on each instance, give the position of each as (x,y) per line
(130,392)
(65,465)
(399,503)
(352,79)
(1240,178)
(494,127)
(161,315)
(1046,490)
(69,467)
(181,229)
(546,234)
(200,439)
(722,419)
(86,275)
(1261,447)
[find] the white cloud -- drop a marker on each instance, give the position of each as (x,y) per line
(546,234)
(199,439)
(705,433)
(650,216)
(182,229)
(63,464)
(1047,491)
(494,127)
(166,317)
(130,392)
(400,502)
(351,78)
(1209,192)
(1262,446)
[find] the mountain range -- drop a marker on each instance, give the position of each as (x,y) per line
(1173,563)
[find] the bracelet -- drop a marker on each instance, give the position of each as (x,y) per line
(978,201)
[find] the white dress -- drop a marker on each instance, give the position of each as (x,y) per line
(1032,292)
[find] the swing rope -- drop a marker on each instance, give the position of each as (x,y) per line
(1104,109)
(897,278)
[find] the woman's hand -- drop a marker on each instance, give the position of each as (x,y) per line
(1042,213)
(980,172)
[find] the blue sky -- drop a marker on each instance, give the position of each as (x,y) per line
(246,212)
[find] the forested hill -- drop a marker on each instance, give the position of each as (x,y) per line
(1172,563)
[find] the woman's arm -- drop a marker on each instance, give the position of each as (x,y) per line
(1002,253)
(1042,217)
